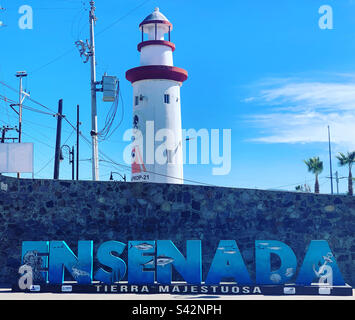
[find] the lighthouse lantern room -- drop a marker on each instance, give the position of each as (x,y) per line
(157,146)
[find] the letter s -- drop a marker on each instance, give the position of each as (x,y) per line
(105,257)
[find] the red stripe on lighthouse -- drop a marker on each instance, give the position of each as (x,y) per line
(156,72)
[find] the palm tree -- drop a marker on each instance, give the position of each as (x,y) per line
(348,160)
(316,167)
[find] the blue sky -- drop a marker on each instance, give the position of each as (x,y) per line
(261,68)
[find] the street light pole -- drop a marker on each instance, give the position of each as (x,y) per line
(71,159)
(122,176)
(72,164)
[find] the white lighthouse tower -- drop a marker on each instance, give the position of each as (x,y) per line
(157,149)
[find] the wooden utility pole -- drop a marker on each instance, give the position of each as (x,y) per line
(58,138)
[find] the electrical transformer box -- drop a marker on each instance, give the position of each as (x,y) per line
(109,88)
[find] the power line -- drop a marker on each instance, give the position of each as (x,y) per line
(53,156)
(28,97)
(51,61)
(32,123)
(35,139)
(13,102)
(102,31)
(122,17)
(106,132)
(294,184)
(127,167)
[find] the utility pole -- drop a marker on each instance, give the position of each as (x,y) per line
(58,138)
(20,75)
(95,149)
(330,160)
(77,141)
(87,52)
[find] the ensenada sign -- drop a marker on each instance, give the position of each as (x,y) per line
(149,266)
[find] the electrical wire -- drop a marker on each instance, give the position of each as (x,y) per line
(25,106)
(127,167)
(36,173)
(122,17)
(30,123)
(106,132)
(97,34)
(294,184)
(28,97)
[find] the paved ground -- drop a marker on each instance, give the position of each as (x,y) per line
(8,295)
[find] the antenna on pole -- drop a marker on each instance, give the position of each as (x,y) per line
(330,160)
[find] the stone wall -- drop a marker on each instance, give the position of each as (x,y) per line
(101,211)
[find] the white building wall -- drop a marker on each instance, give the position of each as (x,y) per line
(151,107)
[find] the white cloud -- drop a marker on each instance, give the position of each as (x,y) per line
(300,111)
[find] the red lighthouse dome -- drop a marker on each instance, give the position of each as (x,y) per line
(156,17)
(156,25)
(156,51)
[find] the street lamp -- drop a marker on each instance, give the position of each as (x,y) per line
(71,157)
(123,177)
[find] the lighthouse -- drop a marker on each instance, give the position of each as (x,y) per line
(157,154)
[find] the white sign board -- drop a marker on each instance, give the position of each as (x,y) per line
(16,157)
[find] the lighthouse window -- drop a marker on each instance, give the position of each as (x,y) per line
(166,98)
(136,100)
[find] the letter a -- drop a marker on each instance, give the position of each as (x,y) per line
(26,21)
(326,21)
(26,279)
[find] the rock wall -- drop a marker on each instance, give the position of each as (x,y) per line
(102,211)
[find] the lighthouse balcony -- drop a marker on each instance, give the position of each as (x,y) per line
(156,72)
